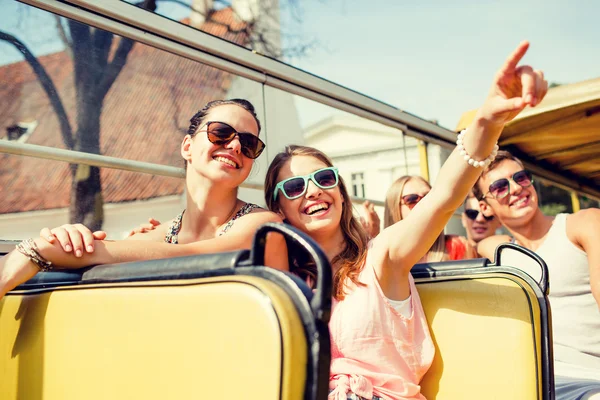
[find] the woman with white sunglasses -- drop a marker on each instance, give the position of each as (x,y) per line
(380,342)
(402,196)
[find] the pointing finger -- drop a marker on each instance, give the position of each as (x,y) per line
(513,60)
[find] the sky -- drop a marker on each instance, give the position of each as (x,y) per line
(432,58)
(435,58)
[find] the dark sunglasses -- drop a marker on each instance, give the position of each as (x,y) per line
(411,200)
(472,215)
(294,187)
(501,188)
(220,133)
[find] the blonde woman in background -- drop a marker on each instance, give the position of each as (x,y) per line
(404,194)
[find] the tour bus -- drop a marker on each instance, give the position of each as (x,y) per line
(97,97)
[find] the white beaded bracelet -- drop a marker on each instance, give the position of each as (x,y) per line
(468,158)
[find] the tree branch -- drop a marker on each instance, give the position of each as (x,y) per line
(101,44)
(176,111)
(47,85)
(114,68)
(63,36)
(80,40)
(269,18)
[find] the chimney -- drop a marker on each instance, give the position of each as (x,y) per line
(246,10)
(200,9)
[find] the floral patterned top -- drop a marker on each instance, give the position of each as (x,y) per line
(175,227)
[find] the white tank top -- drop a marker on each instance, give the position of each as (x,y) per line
(404,307)
(575,313)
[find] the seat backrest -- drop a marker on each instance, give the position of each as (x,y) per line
(211,326)
(490,325)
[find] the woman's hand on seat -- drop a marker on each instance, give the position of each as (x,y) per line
(75,238)
(150,226)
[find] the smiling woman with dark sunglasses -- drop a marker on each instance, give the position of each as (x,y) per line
(402,196)
(221,133)
(215,219)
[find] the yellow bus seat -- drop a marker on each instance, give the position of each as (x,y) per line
(491,327)
(224,326)
(214,326)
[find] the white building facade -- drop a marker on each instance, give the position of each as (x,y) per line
(371,156)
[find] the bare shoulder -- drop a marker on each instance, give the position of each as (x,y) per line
(584,218)
(583,227)
(244,228)
(260,210)
(254,219)
(487,247)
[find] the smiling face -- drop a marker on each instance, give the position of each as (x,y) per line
(520,204)
(479,228)
(318,211)
(220,163)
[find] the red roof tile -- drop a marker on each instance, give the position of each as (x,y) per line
(144,117)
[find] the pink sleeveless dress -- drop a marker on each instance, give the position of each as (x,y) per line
(375,351)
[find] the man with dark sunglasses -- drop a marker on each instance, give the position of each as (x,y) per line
(570,246)
(477,225)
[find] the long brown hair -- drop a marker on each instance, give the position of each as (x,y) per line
(393,214)
(352,257)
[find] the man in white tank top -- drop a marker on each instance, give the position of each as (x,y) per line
(570,245)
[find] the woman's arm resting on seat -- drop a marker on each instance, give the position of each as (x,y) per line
(16,268)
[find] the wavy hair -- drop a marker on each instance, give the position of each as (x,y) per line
(393,214)
(352,258)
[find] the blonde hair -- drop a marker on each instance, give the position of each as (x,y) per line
(352,257)
(393,214)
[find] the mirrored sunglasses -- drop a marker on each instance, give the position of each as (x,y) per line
(501,188)
(296,186)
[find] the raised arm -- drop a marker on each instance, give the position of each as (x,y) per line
(406,242)
(16,268)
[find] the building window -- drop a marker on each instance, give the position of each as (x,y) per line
(21,131)
(358,184)
(14,132)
